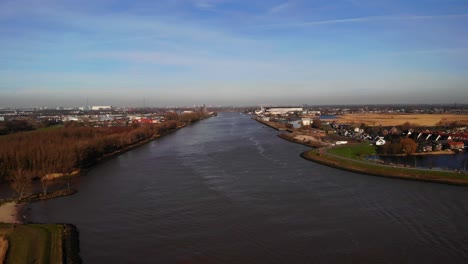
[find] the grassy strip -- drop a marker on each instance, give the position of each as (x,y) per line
(39,243)
(33,243)
(354,151)
(383,170)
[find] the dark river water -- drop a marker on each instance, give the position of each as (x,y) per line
(452,162)
(228,190)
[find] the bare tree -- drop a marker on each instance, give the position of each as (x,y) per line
(408,145)
(21,182)
(316,123)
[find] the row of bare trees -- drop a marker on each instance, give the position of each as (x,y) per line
(33,155)
(185,117)
(36,154)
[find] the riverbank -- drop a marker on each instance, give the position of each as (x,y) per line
(350,157)
(39,243)
(440,152)
(123,150)
(10,212)
(56,243)
(310,142)
(274,125)
(53,178)
(352,165)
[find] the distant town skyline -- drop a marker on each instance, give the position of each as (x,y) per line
(225,52)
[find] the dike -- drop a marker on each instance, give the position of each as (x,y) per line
(71,245)
(389,171)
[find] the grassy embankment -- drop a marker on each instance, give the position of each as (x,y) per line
(351,158)
(273,124)
(33,243)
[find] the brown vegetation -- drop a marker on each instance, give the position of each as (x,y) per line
(371,119)
(25,156)
(3,249)
(14,126)
(316,123)
(398,146)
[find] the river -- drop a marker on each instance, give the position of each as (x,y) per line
(228,190)
(451,162)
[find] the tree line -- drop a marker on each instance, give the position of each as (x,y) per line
(33,155)
(13,126)
(398,145)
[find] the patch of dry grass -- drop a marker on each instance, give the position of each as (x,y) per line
(9,212)
(3,249)
(371,119)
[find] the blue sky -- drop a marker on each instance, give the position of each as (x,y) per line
(222,52)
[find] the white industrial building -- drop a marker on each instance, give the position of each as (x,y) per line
(306,121)
(101,107)
(278,110)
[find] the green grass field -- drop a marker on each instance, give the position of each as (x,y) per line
(354,151)
(33,243)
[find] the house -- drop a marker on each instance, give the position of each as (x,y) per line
(380,142)
(394,131)
(454,145)
(437,146)
(146,121)
(385,132)
(427,148)
(306,121)
(358,130)
(407,133)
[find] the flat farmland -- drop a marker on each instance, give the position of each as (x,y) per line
(399,119)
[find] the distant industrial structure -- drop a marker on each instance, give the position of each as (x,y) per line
(101,107)
(94,108)
(277,110)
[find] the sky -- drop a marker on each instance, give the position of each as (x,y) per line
(226,52)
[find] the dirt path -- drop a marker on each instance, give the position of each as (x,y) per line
(9,213)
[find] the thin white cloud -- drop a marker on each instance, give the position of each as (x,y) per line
(189,60)
(363,20)
(444,51)
(203,4)
(354,2)
(206,4)
(145,57)
(439,51)
(449,16)
(279,8)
